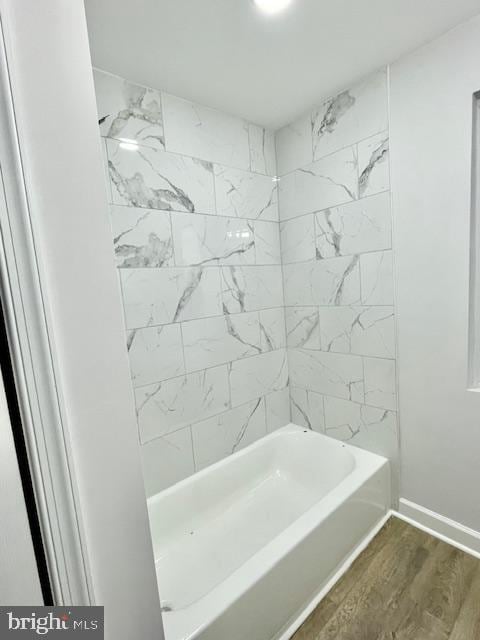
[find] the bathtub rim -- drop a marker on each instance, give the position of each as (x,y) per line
(361,455)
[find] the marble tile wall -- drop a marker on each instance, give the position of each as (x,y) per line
(195,226)
(222,267)
(336,242)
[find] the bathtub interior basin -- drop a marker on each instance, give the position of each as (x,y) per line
(218,532)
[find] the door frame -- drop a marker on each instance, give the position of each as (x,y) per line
(37,390)
(65,322)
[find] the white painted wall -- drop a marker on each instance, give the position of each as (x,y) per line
(431,131)
(53,95)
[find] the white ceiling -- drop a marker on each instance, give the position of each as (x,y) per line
(267,69)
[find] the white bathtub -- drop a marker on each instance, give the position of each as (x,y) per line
(242,547)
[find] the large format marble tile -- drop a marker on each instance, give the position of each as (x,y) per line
(363,426)
(205,239)
(338,281)
(367,331)
(202,132)
(142,238)
(262,150)
(243,194)
(167,460)
(212,341)
(155,354)
(229,432)
(335,281)
(128,111)
(380,388)
(356,227)
(307,409)
(300,284)
(267,242)
(373,165)
(297,238)
(166,406)
(258,375)
(303,327)
(333,374)
(162,296)
(294,146)
(352,115)
(251,288)
(154,179)
(376,272)
(277,409)
(272,329)
(325,183)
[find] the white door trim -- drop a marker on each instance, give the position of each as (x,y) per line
(24,310)
(68,309)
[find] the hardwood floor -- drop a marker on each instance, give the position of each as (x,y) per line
(406,585)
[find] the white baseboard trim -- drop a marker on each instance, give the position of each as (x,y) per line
(287,633)
(454,533)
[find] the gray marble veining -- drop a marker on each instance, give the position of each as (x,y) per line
(356,227)
(368,331)
(307,409)
(376,271)
(167,406)
(258,375)
(144,177)
(142,238)
(229,432)
(352,115)
(328,182)
(326,119)
(267,242)
(251,288)
(333,374)
(303,327)
(202,240)
(362,425)
(212,341)
(272,329)
(242,194)
(127,111)
(262,150)
(373,165)
(335,281)
(155,354)
(201,132)
(277,409)
(163,296)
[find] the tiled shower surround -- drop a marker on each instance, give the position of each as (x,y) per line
(211,300)
(336,237)
(195,221)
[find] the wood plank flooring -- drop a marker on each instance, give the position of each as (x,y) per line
(406,585)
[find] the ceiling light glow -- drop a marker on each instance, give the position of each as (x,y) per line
(272,6)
